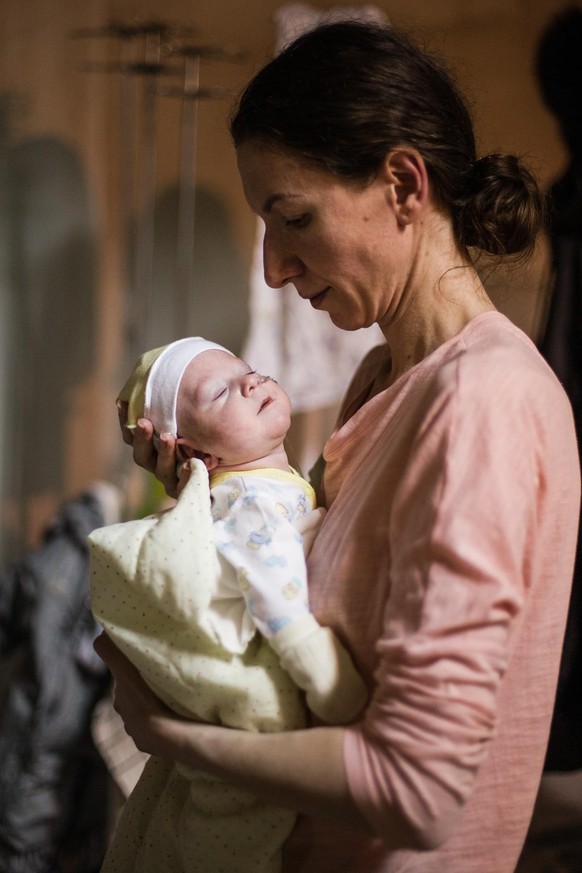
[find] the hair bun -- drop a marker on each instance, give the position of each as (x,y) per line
(503,210)
(494,170)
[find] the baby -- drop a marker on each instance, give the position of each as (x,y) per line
(184,594)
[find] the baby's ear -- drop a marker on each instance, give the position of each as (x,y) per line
(186,451)
(210,461)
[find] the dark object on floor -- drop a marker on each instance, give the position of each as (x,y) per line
(53,785)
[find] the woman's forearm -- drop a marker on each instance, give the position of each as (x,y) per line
(302,770)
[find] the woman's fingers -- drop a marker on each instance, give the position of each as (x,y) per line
(121,667)
(165,468)
(126,433)
(141,711)
(160,462)
(144,450)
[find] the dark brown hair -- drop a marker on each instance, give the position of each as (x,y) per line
(345,94)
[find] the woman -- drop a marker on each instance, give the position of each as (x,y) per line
(452,483)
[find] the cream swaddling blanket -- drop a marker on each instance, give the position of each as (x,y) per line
(151,585)
(152,582)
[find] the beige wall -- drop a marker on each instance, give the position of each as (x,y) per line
(53,97)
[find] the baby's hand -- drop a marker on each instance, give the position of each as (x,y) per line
(162,463)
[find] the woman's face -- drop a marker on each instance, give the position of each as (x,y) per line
(339,243)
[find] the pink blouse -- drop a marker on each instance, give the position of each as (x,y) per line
(445,563)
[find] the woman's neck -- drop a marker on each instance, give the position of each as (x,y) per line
(442,294)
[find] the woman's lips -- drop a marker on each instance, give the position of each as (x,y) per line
(318,299)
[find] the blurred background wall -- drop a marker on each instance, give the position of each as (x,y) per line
(78,189)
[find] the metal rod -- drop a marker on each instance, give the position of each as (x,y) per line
(145,222)
(187,195)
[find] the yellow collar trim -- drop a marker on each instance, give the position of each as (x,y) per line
(290,475)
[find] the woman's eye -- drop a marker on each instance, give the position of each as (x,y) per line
(300,221)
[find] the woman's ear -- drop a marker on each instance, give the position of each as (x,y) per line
(407,177)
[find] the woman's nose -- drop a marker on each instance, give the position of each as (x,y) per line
(280,265)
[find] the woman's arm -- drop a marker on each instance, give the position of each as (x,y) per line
(302,770)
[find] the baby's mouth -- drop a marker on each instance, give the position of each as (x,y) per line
(266,402)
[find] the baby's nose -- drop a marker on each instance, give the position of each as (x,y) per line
(250,382)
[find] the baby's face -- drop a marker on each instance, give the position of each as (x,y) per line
(227,410)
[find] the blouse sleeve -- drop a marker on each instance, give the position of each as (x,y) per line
(462,534)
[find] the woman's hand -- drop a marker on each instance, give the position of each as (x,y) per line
(160,462)
(147,720)
(302,770)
